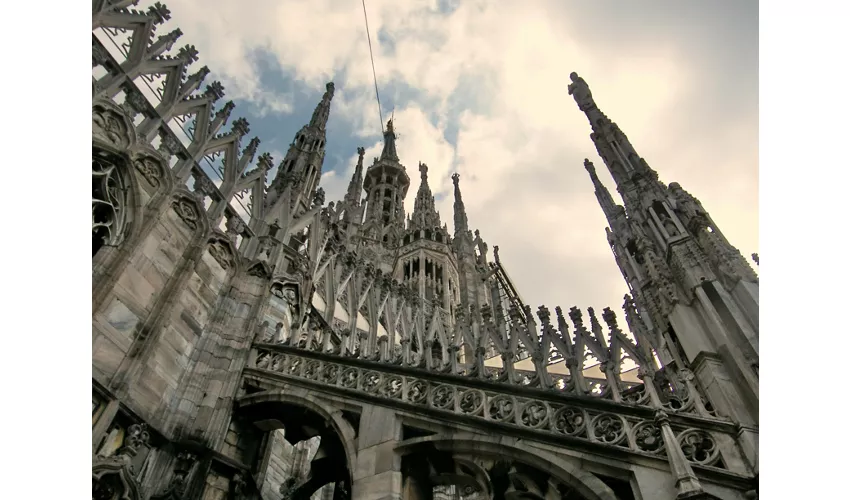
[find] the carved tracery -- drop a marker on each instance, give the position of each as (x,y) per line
(110,194)
(113,477)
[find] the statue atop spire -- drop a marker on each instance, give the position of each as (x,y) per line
(389,152)
(581,93)
(352,196)
(461,223)
(424,211)
(323,110)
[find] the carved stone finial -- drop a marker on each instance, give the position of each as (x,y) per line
(172,37)
(225,110)
(544,315)
(240,126)
(361,151)
(456,178)
(188,53)
(159,13)
(265,161)
(251,148)
(575,316)
(423,170)
(610,318)
(755,257)
(215,90)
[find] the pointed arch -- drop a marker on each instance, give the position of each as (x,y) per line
(264,406)
(116,198)
(112,478)
(467,444)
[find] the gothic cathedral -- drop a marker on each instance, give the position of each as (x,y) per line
(352,350)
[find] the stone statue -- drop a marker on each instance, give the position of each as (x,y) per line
(667,222)
(482,249)
(581,93)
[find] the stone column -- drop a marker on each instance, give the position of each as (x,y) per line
(687,484)
(377,472)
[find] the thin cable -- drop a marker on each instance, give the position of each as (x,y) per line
(374,75)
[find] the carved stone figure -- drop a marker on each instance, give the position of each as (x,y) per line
(581,93)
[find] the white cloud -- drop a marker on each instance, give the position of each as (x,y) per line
(521,139)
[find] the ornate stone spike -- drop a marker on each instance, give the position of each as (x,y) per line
(215,90)
(755,257)
(240,126)
(594,322)
(610,318)
(225,110)
(251,148)
(159,13)
(171,38)
(575,316)
(188,53)
(496,254)
(544,315)
(559,313)
(265,161)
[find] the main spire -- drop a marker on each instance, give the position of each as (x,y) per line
(389,152)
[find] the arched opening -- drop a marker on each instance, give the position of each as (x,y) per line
(110,200)
(307,450)
(480,467)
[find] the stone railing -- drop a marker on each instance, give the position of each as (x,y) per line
(629,426)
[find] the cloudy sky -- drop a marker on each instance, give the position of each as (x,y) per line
(479,87)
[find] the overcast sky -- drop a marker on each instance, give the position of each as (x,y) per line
(480,88)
